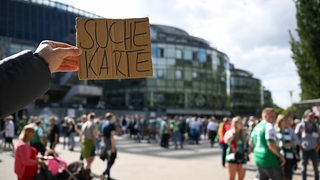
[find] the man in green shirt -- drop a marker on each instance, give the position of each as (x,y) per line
(266,152)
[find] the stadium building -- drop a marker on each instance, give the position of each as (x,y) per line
(245,93)
(190,76)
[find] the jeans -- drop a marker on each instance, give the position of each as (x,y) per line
(212,137)
(71,140)
(98,144)
(65,140)
(223,153)
(176,136)
(182,138)
(165,140)
(110,163)
(288,168)
(273,173)
(313,156)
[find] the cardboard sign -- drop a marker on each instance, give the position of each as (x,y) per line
(114,48)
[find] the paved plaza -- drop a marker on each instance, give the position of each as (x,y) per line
(142,161)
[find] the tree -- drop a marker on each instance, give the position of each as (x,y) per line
(294,112)
(306,50)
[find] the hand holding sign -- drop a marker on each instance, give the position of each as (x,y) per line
(114,48)
(61,57)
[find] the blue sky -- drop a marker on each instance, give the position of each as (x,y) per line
(253,33)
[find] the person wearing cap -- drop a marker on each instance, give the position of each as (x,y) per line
(308,133)
(9,132)
(110,145)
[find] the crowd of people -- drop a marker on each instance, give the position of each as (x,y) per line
(277,143)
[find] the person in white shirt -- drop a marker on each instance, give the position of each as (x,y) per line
(9,132)
(212,130)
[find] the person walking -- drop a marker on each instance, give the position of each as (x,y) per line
(223,128)
(109,132)
(237,150)
(308,134)
(9,133)
(64,131)
(99,126)
(53,133)
(83,120)
(263,139)
(183,130)
(176,134)
(165,131)
(89,133)
(71,133)
(212,130)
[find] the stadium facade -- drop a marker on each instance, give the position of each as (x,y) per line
(245,93)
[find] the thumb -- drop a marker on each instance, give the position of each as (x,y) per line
(69,51)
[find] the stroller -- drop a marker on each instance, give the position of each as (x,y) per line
(74,171)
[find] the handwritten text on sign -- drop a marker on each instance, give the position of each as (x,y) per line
(114,48)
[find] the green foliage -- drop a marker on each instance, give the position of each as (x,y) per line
(306,53)
(294,112)
(277,109)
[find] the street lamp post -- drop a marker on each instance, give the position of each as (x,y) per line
(291,93)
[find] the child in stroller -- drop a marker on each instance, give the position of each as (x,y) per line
(59,169)
(55,164)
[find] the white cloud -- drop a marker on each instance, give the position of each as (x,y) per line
(280,87)
(254,33)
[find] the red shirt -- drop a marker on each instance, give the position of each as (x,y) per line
(225,128)
(25,158)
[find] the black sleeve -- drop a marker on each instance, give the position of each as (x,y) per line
(56,129)
(23,78)
(112,127)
